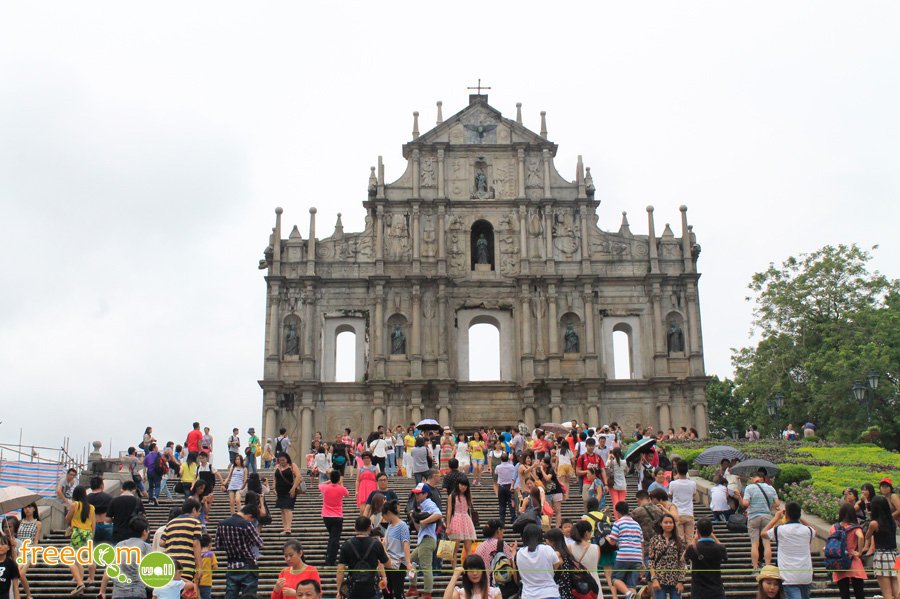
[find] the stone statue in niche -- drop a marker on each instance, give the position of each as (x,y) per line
(428,239)
(536,230)
(428,172)
(676,338)
(292,341)
(483,255)
(480,183)
(534,177)
(572,345)
(398,342)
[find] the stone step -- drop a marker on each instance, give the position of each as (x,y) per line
(307,528)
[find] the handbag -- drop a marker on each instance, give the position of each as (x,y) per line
(179,487)
(475,518)
(445,549)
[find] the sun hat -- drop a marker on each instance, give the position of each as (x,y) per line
(768,572)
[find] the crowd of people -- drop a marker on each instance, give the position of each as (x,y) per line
(650,548)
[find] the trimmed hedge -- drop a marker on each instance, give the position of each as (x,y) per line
(792,473)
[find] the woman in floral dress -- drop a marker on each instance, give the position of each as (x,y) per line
(459,515)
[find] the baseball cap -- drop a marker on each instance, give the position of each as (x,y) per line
(886,481)
(421,488)
(251,431)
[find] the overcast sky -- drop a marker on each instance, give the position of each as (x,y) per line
(143,149)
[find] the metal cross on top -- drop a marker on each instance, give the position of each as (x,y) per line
(479,87)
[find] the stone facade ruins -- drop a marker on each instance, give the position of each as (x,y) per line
(482,228)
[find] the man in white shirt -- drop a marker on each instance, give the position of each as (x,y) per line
(794,558)
(603,448)
(682,491)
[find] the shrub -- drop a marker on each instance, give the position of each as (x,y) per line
(813,499)
(790,474)
(689,455)
(707,472)
(810,439)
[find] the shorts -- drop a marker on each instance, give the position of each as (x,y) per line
(555,497)
(627,572)
(883,562)
(478,461)
(755,526)
(80,538)
(103,532)
(565,470)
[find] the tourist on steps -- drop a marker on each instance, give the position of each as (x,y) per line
(297,570)
(426,517)
(287,485)
(333,494)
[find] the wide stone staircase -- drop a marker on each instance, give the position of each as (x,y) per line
(308,527)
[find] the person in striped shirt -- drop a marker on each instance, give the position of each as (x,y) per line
(181,540)
(628,538)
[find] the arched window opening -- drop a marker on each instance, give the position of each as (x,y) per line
(484,352)
(482,244)
(622,360)
(345,357)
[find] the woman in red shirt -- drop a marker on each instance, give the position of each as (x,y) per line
(296,571)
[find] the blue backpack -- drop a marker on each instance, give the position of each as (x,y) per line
(837,557)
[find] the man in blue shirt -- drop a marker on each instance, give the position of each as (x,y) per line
(427,515)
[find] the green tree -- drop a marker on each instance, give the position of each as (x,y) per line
(824,320)
(725,410)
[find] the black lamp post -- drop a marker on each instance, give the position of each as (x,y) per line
(865,393)
(773,407)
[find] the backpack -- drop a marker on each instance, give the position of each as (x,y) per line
(278,442)
(837,557)
(602,529)
(160,465)
(581,583)
(361,573)
(502,570)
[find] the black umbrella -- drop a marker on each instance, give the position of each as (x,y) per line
(748,467)
(713,456)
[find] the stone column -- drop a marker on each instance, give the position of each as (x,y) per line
(585,241)
(415,232)
(665,416)
(545,158)
(306,432)
(520,161)
(659,332)
(442,344)
(700,419)
(378,417)
(270,426)
(590,347)
(416,341)
(552,323)
(378,332)
(528,401)
(379,240)
(593,414)
(548,231)
(273,325)
(693,311)
(311,244)
(444,407)
(441,192)
(525,301)
(308,333)
(555,404)
(415,401)
(415,173)
(416,236)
